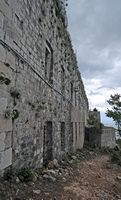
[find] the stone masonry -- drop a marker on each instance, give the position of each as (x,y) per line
(106,137)
(43,105)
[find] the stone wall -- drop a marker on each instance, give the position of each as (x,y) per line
(108,137)
(103,137)
(92,137)
(42,97)
(96,115)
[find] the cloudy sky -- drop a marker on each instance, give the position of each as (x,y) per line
(95,28)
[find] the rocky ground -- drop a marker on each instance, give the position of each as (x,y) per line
(84,176)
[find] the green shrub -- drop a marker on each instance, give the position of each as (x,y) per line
(4,79)
(119,142)
(9,174)
(27,175)
(12,114)
(115,156)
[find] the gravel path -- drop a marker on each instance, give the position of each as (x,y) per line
(95,179)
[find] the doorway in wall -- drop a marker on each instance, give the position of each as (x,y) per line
(63,136)
(71,136)
(48,143)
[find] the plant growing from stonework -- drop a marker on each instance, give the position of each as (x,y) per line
(15,93)
(11,114)
(115,111)
(27,175)
(4,79)
(32,105)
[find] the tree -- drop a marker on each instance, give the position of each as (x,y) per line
(115,111)
(95,110)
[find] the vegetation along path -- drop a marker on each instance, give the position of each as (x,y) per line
(94,179)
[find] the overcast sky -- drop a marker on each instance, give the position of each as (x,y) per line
(95,28)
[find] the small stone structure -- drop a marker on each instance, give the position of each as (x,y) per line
(92,138)
(95,114)
(104,138)
(108,137)
(43,105)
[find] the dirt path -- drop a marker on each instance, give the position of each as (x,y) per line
(91,181)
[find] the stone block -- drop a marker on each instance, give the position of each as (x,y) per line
(8,139)
(2,141)
(2,53)
(11,60)
(35,141)
(8,40)
(38,151)
(6,70)
(41,161)
(2,33)
(3,105)
(5,9)
(1,20)
(16,6)
(5,125)
(5,158)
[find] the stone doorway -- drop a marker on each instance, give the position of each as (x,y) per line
(63,136)
(47,143)
(71,136)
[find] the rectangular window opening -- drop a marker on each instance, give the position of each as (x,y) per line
(62,80)
(62,136)
(49,62)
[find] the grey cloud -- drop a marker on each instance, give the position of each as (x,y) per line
(96,34)
(97,21)
(105,86)
(93,93)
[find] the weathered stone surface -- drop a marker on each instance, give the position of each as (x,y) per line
(2,142)
(5,158)
(1,20)
(3,104)
(36,191)
(5,124)
(10,58)
(2,54)
(49,177)
(108,137)
(8,136)
(103,137)
(37,55)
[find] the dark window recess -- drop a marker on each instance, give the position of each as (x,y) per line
(75,95)
(49,63)
(62,136)
(62,80)
(71,136)
(72,92)
(76,131)
(47,143)
(39,20)
(79,102)
(79,128)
